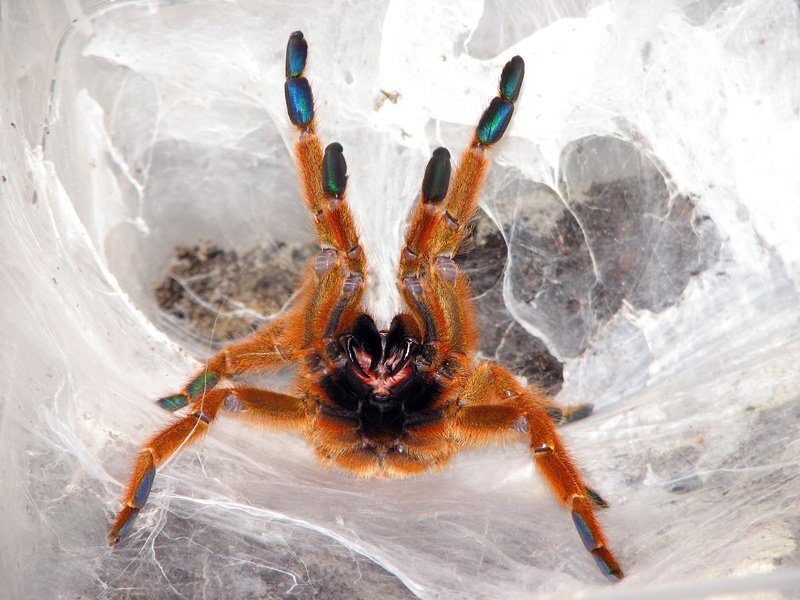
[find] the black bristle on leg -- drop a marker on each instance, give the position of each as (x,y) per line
(596,498)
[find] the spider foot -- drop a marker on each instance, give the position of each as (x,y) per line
(588,531)
(126,516)
(576,412)
(608,564)
(568,414)
(131,509)
(299,100)
(496,118)
(437,177)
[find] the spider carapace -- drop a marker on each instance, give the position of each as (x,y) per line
(392,402)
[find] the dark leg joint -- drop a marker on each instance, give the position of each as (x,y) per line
(324,262)
(451,222)
(201,416)
(352,283)
(233,404)
(446,267)
(412,285)
(314,362)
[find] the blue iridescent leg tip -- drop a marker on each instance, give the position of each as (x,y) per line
(608,565)
(296,54)
(173,403)
(143,491)
(511,79)
(122,524)
(494,121)
(583,529)
(334,170)
(201,384)
(299,101)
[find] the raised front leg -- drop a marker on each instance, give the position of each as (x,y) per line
(340,268)
(429,278)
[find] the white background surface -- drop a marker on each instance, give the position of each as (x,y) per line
(130,127)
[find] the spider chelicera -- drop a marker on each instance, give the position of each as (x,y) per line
(390,402)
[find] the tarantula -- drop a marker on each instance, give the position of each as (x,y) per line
(394,402)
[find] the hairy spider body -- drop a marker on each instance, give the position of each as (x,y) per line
(378,409)
(389,403)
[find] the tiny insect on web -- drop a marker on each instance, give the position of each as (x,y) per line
(381,403)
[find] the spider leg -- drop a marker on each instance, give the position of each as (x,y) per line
(561,415)
(429,278)
(462,201)
(341,265)
(494,405)
(258,406)
(441,220)
(160,448)
(434,289)
(269,348)
(322,176)
(337,278)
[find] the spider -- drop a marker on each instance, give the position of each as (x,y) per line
(391,402)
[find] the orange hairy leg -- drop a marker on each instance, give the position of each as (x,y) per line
(429,278)
(255,405)
(159,449)
(341,265)
(269,348)
(495,406)
(441,220)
